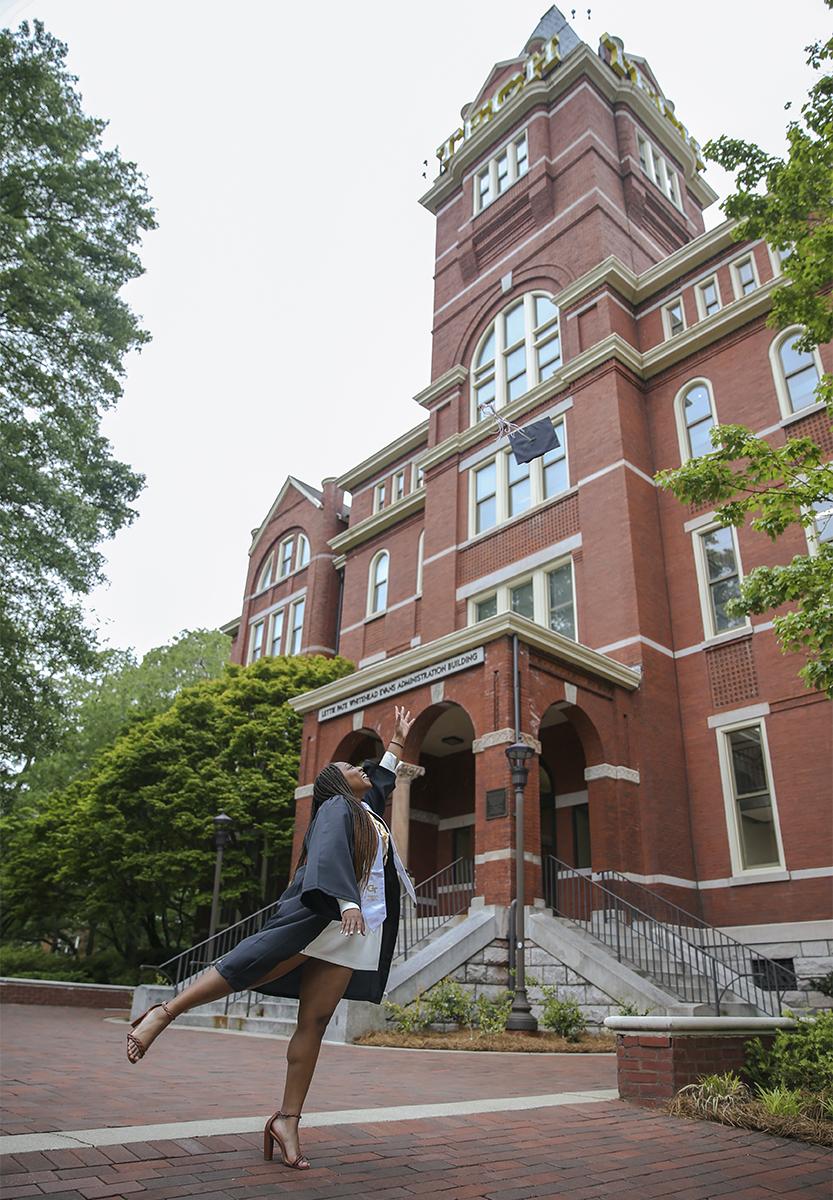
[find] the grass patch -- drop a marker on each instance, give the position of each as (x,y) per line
(472,1039)
(785,1112)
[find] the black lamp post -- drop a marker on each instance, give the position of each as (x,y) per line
(222,836)
(521,1017)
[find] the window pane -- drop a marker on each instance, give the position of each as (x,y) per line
(257,641)
(486,514)
(560,590)
(520,488)
(277,632)
(487,351)
(545,310)
(549,357)
(644,159)
(675,317)
(746,275)
(516,362)
(696,404)
(514,319)
(698,438)
(516,387)
(485,481)
(486,608)
(502,172)
(759,846)
(555,473)
(521,600)
(722,592)
(303,551)
(484,187)
(710,302)
(297,627)
(521,155)
(801,375)
(286,558)
(824,520)
(720,553)
(485,394)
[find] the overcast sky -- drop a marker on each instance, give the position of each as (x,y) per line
(288,287)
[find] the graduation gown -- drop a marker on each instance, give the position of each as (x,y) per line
(310,902)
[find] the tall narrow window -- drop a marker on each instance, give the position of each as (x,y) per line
(752,796)
(285,560)
(398,485)
(554,465)
(673,317)
(522,599)
(519,486)
(520,349)
(699,419)
(266,574)
(302,558)
(708,297)
(659,170)
(485,497)
(420,556)
(501,172)
(277,631)
(800,374)
(822,528)
(722,576)
(378,597)
(379,496)
(257,642)
(746,280)
(297,630)
(419,476)
(560,600)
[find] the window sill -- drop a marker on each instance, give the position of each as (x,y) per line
(776,875)
(730,635)
(802,412)
(374,616)
(476,538)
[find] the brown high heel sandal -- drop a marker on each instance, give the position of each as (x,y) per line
(135,1048)
(301,1163)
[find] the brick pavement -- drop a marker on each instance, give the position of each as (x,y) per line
(576,1151)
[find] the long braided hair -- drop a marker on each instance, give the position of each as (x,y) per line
(331,782)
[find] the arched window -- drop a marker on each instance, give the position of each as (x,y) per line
(302,553)
(695,418)
(520,348)
(377,592)
(420,555)
(796,372)
(265,577)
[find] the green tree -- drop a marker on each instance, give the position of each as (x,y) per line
(127,848)
(71,216)
(119,691)
(789,203)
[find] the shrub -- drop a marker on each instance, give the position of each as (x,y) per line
(798,1058)
(627,1009)
(564,1017)
(408,1018)
(448,1003)
(782,1102)
(823,984)
(491,1014)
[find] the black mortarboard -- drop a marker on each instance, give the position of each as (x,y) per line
(533,440)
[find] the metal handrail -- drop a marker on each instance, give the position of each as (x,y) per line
(693,972)
(444,895)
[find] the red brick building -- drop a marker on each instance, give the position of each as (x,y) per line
(574,281)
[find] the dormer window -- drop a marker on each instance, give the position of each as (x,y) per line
(499,174)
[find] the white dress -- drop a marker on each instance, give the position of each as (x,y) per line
(357,950)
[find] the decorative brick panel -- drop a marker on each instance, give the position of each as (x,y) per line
(818,427)
(542,528)
(732,674)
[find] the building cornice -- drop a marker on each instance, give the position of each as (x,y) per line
(456,376)
(392,514)
(376,462)
(581,61)
(611,272)
(573,654)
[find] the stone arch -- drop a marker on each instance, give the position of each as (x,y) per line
(358,746)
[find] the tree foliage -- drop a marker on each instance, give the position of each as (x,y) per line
(788,202)
(71,216)
(127,848)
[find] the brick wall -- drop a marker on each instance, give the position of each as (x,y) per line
(73,995)
(651,1068)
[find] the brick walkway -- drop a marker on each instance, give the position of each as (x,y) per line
(577,1150)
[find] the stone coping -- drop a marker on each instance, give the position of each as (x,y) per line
(66,983)
(693,1025)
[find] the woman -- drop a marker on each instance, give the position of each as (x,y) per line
(346,883)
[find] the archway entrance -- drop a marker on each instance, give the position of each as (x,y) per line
(441,827)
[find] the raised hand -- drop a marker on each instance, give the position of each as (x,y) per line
(404,721)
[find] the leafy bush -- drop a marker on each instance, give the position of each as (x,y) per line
(782,1102)
(409,1018)
(627,1009)
(800,1058)
(491,1014)
(33,962)
(448,1003)
(564,1017)
(823,984)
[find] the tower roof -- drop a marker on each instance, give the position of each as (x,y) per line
(554,22)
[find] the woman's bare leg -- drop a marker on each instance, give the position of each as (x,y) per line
(209,986)
(322,986)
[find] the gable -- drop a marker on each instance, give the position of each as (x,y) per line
(293,491)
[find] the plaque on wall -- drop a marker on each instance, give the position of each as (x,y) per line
(496,803)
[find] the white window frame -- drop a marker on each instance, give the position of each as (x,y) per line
(730,806)
(278,615)
(734,271)
(700,299)
(380,495)
(777,258)
(536,476)
(256,625)
(658,169)
(703,588)
(297,629)
(285,558)
(679,413)
(490,171)
(417,477)
(540,593)
(666,317)
(371,584)
(420,557)
(778,375)
(535,338)
(813,539)
(397,487)
(303,541)
(267,566)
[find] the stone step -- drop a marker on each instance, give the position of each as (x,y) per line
(262,1025)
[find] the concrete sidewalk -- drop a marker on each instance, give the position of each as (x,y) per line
(488,1127)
